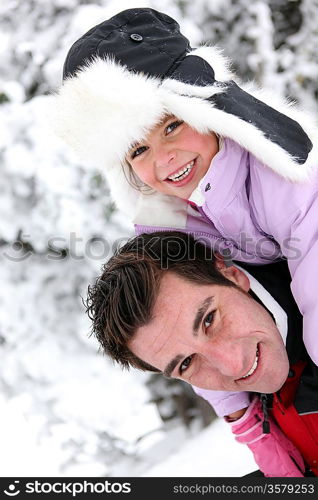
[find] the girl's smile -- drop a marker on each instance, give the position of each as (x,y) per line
(173,158)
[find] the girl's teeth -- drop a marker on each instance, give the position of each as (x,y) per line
(182,173)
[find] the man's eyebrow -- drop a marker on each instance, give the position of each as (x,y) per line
(200,313)
(197,321)
(172,364)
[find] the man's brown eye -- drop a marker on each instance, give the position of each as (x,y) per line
(208,320)
(185,364)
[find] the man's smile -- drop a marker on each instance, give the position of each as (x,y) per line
(254,367)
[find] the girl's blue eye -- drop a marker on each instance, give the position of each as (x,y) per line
(208,320)
(138,152)
(172,126)
(185,364)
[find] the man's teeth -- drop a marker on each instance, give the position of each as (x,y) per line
(252,370)
(182,173)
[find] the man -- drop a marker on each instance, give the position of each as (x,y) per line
(164,303)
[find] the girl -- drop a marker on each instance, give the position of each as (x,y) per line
(184,147)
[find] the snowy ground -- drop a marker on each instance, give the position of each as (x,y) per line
(212,452)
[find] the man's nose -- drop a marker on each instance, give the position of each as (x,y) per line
(227,357)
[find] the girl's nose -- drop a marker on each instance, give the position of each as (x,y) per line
(164,156)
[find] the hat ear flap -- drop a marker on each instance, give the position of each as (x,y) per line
(277,127)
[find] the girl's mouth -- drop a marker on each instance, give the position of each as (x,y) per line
(183,175)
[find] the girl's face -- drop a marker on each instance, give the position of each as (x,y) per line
(173,158)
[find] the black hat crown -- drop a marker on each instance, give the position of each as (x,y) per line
(144,40)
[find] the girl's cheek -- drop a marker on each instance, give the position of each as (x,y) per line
(147,175)
(140,171)
(146,178)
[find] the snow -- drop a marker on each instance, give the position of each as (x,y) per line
(29,448)
(64,408)
(213,453)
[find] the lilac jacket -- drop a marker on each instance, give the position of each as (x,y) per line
(260,216)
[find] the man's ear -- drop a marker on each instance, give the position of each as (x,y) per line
(232,273)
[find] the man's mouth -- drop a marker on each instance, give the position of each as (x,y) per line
(182,173)
(252,370)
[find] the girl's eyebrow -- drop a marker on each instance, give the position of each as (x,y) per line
(132,147)
(165,119)
(162,122)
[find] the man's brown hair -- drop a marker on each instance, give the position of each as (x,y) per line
(123,297)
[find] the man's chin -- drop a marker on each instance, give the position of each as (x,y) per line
(273,385)
(273,378)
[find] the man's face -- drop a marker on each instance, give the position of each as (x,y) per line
(173,158)
(213,337)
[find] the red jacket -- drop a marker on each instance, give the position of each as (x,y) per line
(301,429)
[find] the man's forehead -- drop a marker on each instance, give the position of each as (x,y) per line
(177,293)
(170,282)
(179,306)
(152,340)
(166,316)
(171,286)
(173,293)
